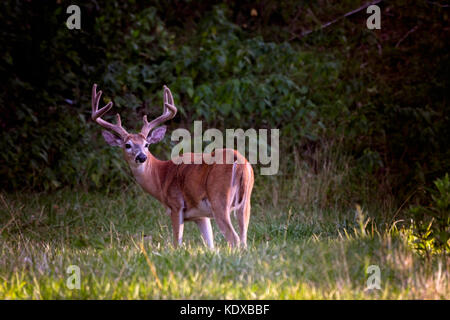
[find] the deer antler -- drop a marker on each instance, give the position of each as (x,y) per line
(169,112)
(97,114)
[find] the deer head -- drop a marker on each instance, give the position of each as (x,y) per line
(134,146)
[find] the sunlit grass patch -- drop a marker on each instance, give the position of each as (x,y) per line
(122,245)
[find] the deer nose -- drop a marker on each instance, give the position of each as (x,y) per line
(141,158)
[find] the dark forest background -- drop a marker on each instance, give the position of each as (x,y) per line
(379,96)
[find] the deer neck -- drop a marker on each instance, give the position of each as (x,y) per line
(147,175)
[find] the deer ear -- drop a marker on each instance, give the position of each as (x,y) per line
(111,139)
(157,135)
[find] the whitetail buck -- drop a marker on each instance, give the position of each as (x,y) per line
(190,192)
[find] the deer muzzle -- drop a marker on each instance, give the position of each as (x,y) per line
(140,158)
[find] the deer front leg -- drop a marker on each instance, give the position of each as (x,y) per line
(177,225)
(204,224)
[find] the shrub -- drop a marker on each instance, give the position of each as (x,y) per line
(431,223)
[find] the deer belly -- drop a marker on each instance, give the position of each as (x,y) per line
(203,209)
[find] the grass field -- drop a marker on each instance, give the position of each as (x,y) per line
(293,253)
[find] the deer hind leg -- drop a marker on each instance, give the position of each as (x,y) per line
(243,215)
(204,224)
(222,208)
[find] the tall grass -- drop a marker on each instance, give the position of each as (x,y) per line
(321,178)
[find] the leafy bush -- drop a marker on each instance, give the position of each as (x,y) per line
(381,95)
(220,76)
(431,223)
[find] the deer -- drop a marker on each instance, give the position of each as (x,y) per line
(191,190)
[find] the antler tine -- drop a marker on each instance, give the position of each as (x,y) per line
(97,114)
(95,101)
(168,96)
(169,112)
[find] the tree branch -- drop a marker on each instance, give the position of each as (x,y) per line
(329,23)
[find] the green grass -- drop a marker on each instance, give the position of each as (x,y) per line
(293,253)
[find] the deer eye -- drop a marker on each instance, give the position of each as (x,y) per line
(128,146)
(146,145)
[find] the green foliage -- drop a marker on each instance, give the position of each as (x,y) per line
(381,95)
(363,116)
(431,223)
(220,75)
